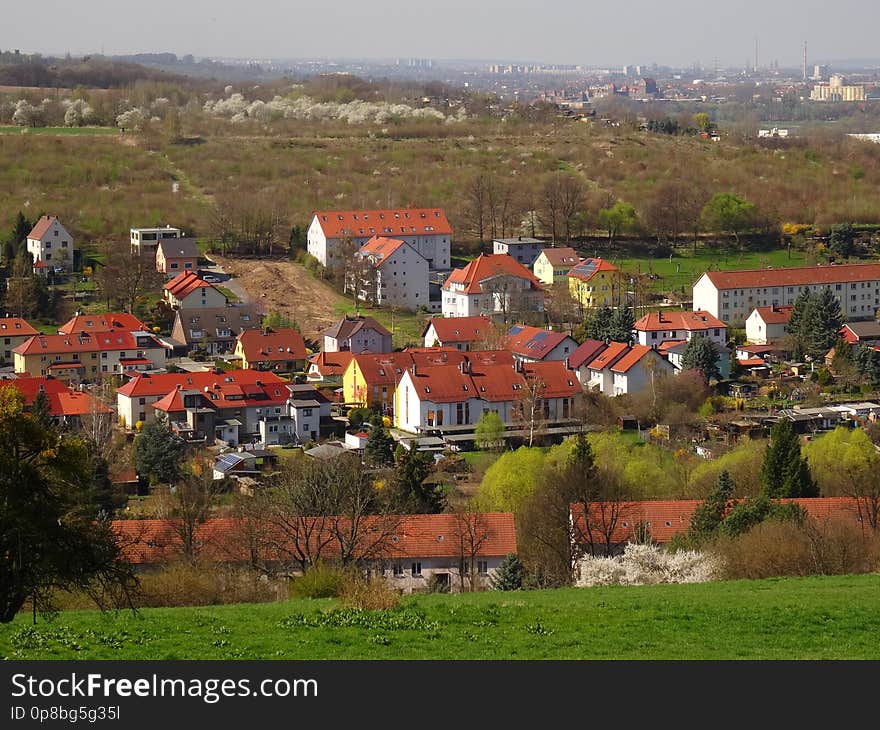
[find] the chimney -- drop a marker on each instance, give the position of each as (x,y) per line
(413,369)
(567,366)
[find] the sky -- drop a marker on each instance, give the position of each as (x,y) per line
(586,32)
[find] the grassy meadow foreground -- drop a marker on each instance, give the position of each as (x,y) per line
(804,618)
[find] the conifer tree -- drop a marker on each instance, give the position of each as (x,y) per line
(784,472)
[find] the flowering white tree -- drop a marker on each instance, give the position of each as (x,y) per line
(643,564)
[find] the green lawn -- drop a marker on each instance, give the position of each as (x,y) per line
(59,130)
(804,618)
(405,327)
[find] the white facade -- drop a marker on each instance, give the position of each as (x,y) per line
(145,240)
(639,377)
(858,299)
(435,249)
(513,295)
(652,338)
(409,575)
(758,332)
(54,248)
(523,249)
(401,280)
(364,340)
(203,297)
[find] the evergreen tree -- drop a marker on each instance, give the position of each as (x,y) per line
(14,245)
(753,511)
(412,468)
(581,462)
(820,327)
(707,518)
(784,472)
(701,353)
(379,450)
(158,452)
(800,317)
(509,575)
(40,410)
(841,239)
(600,326)
(621,325)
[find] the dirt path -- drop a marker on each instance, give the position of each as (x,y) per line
(286,288)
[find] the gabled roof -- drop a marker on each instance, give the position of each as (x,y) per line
(855,331)
(101,322)
(348,326)
(695,321)
(41,227)
(379,249)
(562,257)
(588,268)
(210,321)
(392,536)
(16,327)
(556,380)
(145,384)
(388,222)
(486,267)
(794,276)
(86,342)
(459,329)
(630,358)
(331,364)
(533,342)
(185,284)
(610,355)
(178,248)
(585,352)
(775,314)
(270,345)
(63,401)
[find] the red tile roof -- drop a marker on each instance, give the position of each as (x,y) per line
(63,401)
(159,384)
(184,284)
(695,321)
(798,275)
(392,536)
(752,362)
(775,314)
(630,358)
(16,327)
(381,248)
(533,342)
(562,256)
(608,356)
(390,222)
(585,352)
(667,518)
(86,342)
(486,267)
(76,403)
(588,268)
(331,364)
(41,226)
(459,329)
(348,326)
(271,345)
(102,322)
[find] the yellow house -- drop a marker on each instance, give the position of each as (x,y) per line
(553,264)
(371,379)
(597,283)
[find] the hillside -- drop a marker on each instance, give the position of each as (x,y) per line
(803,618)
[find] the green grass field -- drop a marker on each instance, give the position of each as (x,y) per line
(405,327)
(805,618)
(59,130)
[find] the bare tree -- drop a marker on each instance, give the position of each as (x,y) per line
(478,194)
(125,277)
(21,287)
(471,533)
(531,410)
(187,505)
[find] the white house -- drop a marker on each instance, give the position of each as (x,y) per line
(188,291)
(522,249)
(534,344)
(494,284)
(50,245)
(356,335)
(425,229)
(655,328)
(143,241)
(732,295)
(580,359)
(401,273)
(766,325)
(462,333)
(620,369)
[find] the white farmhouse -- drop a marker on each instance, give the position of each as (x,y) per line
(50,245)
(656,328)
(766,325)
(425,229)
(492,284)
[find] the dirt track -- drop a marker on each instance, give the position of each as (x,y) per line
(286,288)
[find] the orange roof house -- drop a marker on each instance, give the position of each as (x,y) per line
(283,350)
(462,333)
(597,283)
(490,284)
(101,322)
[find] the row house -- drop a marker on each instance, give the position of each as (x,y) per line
(534,344)
(14,331)
(460,552)
(597,283)
(188,291)
(424,229)
(356,334)
(768,325)
(67,406)
(553,264)
(732,295)
(50,244)
(282,350)
(453,397)
(655,328)
(620,369)
(80,322)
(213,329)
(89,356)
(399,276)
(489,285)
(461,333)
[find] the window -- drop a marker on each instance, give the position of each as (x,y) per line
(142,401)
(483,567)
(416,569)
(142,416)
(307,412)
(397,570)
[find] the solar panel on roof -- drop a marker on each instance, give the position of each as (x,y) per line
(541,336)
(587,268)
(516,329)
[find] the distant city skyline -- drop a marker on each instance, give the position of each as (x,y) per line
(678,33)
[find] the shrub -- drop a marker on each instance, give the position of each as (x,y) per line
(368,594)
(321,581)
(509,575)
(646,565)
(208,584)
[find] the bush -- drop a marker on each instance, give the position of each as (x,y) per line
(206,584)
(321,581)
(368,594)
(646,565)
(509,575)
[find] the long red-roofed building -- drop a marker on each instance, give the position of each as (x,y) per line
(654,328)
(493,284)
(66,406)
(406,549)
(101,323)
(731,295)
(425,229)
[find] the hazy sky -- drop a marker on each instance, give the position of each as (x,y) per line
(674,32)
